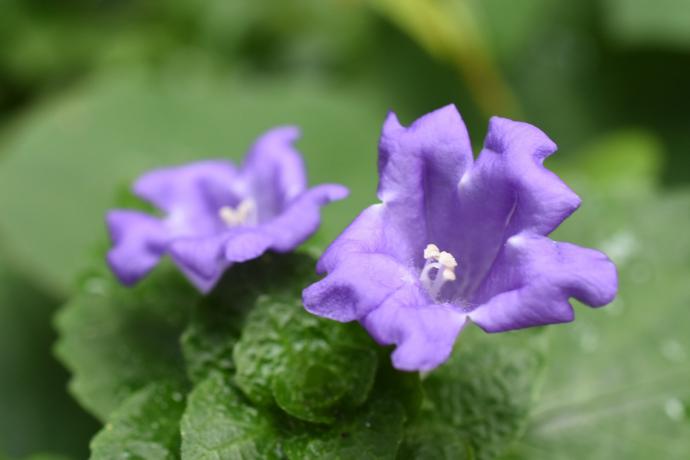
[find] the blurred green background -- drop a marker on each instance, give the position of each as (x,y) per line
(94,93)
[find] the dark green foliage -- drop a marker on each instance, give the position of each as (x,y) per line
(313,368)
(480,399)
(372,433)
(219,423)
(265,379)
(146,425)
(116,340)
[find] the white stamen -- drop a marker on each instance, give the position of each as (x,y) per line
(448,275)
(447,260)
(431,251)
(443,264)
(244,213)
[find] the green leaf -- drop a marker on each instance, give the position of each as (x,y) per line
(373,433)
(146,426)
(310,367)
(219,424)
(209,339)
(617,383)
(313,368)
(116,340)
(80,147)
(622,162)
(216,323)
(480,398)
(434,441)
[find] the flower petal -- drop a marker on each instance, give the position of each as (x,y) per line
(301,218)
(276,171)
(201,259)
(363,236)
(192,194)
(246,245)
(138,240)
(286,231)
(358,285)
(423,333)
(419,169)
(534,277)
(507,191)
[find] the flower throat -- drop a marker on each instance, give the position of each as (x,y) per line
(439,269)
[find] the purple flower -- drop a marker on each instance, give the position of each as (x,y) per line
(216,214)
(456,239)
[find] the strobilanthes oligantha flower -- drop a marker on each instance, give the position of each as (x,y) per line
(457,240)
(215,214)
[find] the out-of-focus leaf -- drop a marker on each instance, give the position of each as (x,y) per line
(649,22)
(313,368)
(116,340)
(449,30)
(623,162)
(47,456)
(146,425)
(509,26)
(617,384)
(80,147)
(479,400)
(32,382)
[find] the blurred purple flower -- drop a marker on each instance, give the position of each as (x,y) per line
(216,214)
(456,239)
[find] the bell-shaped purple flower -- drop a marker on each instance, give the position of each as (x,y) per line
(457,240)
(215,214)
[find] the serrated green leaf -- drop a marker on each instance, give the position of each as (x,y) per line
(311,367)
(116,339)
(404,387)
(146,426)
(373,433)
(216,323)
(219,424)
(209,339)
(617,383)
(481,397)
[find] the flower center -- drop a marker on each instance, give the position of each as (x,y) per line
(244,213)
(438,270)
